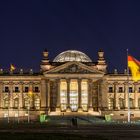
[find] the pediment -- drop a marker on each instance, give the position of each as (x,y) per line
(73,68)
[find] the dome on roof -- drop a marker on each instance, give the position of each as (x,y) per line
(72,55)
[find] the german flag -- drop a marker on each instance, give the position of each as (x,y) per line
(12,67)
(134,66)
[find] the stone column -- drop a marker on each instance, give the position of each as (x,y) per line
(90,94)
(68,93)
(135,96)
(79,94)
(48,95)
(126,95)
(31,98)
(1,94)
(104,94)
(21,96)
(10,94)
(43,95)
(116,104)
(58,95)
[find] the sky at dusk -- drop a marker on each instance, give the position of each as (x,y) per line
(27,27)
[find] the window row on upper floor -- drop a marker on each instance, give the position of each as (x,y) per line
(25,89)
(122,90)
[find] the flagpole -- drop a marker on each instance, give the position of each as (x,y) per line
(128,99)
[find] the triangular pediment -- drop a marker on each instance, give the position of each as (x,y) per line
(73,68)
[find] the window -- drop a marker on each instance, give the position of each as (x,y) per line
(16,103)
(120,89)
(36,89)
(6,103)
(16,89)
(26,89)
(37,103)
(111,103)
(121,103)
(110,89)
(6,89)
(130,90)
(26,103)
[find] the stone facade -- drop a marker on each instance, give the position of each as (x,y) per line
(70,87)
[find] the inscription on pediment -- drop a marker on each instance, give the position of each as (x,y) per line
(74,69)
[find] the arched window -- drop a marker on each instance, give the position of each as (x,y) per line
(110,103)
(121,103)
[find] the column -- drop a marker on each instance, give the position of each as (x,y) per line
(126,95)
(90,94)
(1,94)
(10,94)
(116,104)
(21,96)
(31,99)
(43,95)
(48,94)
(135,96)
(68,93)
(79,93)
(58,94)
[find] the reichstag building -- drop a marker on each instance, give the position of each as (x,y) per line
(70,84)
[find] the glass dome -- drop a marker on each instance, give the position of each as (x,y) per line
(72,55)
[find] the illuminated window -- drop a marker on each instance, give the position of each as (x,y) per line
(6,103)
(16,103)
(121,103)
(37,103)
(110,103)
(26,103)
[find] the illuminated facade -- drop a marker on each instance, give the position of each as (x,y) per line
(70,84)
